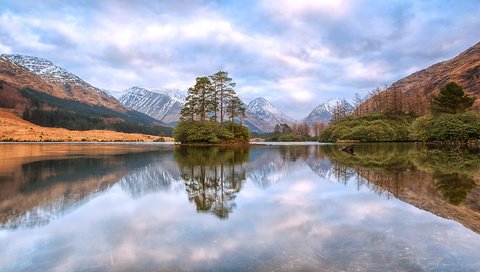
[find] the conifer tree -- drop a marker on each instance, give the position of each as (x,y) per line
(452,99)
(223,90)
(235,108)
(200,95)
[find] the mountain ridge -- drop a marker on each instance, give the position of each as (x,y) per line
(164,105)
(65,84)
(418,87)
(324,112)
(48,95)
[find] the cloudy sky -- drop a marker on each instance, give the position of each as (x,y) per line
(295,53)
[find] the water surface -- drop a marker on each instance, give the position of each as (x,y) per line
(121,207)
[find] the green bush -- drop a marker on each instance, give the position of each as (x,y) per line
(367,128)
(446,127)
(291,138)
(210,132)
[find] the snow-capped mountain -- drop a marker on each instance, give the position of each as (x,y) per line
(164,105)
(264,116)
(66,85)
(323,112)
(47,69)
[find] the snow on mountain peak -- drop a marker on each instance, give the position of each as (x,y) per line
(164,104)
(43,67)
(266,114)
(323,112)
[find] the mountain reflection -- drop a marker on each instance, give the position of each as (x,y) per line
(47,181)
(213,176)
(42,182)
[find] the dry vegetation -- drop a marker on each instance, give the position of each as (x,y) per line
(13,128)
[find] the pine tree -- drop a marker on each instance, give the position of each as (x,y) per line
(223,90)
(201,93)
(452,99)
(235,108)
(188,112)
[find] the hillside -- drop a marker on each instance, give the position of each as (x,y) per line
(13,128)
(324,112)
(164,105)
(64,84)
(412,93)
(464,69)
(48,95)
(262,116)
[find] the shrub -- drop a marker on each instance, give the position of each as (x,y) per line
(446,127)
(159,139)
(210,132)
(368,128)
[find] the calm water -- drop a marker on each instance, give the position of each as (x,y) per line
(108,207)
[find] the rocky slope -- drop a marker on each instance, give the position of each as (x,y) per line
(164,105)
(323,112)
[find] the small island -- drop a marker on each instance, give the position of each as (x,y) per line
(212,113)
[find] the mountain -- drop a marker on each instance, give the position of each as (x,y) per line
(323,112)
(48,95)
(415,90)
(263,116)
(464,69)
(164,105)
(66,85)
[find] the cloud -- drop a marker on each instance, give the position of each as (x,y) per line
(304,51)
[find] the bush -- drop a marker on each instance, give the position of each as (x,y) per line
(210,132)
(291,138)
(446,127)
(368,128)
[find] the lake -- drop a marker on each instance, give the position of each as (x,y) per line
(160,207)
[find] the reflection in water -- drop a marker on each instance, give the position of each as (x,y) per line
(36,190)
(286,208)
(213,176)
(454,187)
(443,182)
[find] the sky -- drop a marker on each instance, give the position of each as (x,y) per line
(295,53)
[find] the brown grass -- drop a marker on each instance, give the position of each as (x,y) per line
(15,129)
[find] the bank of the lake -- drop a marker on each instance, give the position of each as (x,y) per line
(15,129)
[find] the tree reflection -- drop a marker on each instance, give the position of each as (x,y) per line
(213,176)
(454,187)
(440,181)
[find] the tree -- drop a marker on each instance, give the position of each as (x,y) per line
(198,120)
(451,99)
(357,102)
(235,108)
(340,109)
(223,90)
(187,113)
(282,129)
(318,128)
